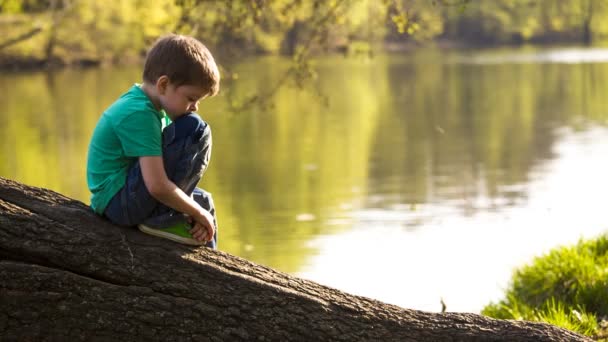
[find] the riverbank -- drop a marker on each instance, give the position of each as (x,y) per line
(357,48)
(567,287)
(13,63)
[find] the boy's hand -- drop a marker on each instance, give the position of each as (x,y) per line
(203,229)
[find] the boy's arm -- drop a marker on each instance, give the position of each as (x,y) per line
(166,192)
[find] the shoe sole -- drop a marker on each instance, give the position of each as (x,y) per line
(169,236)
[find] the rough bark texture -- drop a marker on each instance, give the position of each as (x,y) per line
(66,274)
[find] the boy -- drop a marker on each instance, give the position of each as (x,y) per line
(141,174)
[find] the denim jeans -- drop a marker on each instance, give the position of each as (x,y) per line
(186,153)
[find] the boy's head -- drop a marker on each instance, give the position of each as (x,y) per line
(184,61)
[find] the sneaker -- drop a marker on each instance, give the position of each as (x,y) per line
(177,232)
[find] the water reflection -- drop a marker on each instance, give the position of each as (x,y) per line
(467,260)
(418,168)
(47,120)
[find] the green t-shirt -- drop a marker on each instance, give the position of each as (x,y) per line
(130,128)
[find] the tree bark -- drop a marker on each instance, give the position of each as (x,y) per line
(67,274)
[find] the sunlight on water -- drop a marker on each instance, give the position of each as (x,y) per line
(468,261)
(566,56)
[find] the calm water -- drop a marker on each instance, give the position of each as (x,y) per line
(423,177)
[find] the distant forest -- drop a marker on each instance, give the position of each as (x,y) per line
(100,31)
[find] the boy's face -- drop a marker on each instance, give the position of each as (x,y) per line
(179,100)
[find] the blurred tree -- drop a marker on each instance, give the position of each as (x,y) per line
(99,31)
(96,31)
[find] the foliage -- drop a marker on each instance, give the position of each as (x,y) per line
(91,30)
(567,287)
(101,31)
(527,20)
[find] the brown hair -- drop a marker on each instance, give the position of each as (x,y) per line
(184,60)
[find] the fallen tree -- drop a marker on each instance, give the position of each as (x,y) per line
(66,274)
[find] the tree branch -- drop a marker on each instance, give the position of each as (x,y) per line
(67,274)
(20,38)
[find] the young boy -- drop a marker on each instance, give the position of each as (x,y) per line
(149,150)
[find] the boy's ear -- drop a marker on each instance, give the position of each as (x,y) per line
(161,84)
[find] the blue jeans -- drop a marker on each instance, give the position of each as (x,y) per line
(186,153)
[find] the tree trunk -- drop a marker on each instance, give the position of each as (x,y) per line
(67,274)
(587,18)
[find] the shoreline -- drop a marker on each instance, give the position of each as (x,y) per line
(12,63)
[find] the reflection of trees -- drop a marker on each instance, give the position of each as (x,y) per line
(412,129)
(299,157)
(47,123)
(466,132)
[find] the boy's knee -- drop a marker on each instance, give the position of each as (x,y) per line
(190,125)
(204,199)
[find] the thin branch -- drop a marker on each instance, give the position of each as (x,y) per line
(298,60)
(20,38)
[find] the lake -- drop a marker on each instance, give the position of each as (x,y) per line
(409,178)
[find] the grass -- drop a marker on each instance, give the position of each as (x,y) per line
(567,287)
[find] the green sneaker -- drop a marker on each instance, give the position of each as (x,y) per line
(177,232)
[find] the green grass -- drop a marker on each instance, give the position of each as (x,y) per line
(567,287)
